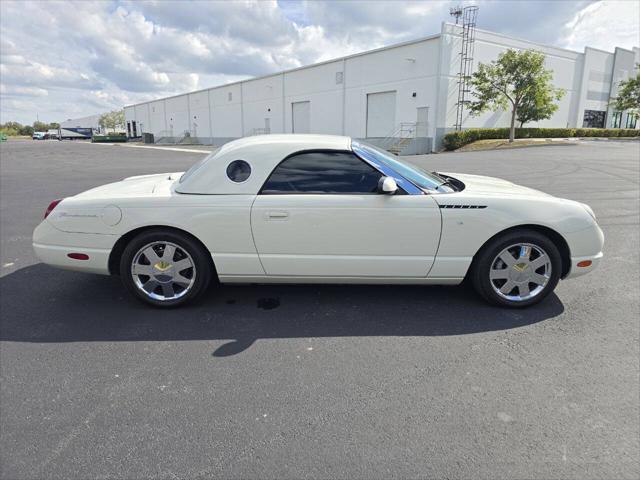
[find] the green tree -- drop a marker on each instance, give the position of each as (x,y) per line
(8,131)
(11,126)
(16,128)
(113,120)
(539,104)
(11,129)
(629,94)
(40,126)
(26,130)
(514,80)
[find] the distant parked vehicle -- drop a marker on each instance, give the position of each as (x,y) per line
(75,133)
(38,135)
(52,134)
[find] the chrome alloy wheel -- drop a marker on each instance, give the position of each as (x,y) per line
(520,272)
(163,271)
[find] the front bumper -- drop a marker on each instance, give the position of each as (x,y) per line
(577,270)
(586,250)
(52,247)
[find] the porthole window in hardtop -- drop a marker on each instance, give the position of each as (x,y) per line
(238,171)
(322,172)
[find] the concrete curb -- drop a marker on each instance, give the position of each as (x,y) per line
(171,149)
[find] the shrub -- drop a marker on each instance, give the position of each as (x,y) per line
(455,140)
(9,132)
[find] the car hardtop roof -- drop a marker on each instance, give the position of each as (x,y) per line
(262,152)
(301,141)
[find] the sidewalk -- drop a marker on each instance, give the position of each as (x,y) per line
(206,149)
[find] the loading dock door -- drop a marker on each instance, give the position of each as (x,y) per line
(381,114)
(301,117)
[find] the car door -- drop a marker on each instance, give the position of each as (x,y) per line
(319,215)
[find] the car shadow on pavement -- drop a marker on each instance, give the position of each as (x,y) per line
(41,304)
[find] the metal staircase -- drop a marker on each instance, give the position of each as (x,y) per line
(400,138)
(399,145)
(187,139)
(164,136)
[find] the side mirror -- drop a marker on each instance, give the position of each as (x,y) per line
(387,186)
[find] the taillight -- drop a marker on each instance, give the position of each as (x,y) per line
(51,206)
(78,256)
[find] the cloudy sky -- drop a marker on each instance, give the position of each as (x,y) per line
(68,59)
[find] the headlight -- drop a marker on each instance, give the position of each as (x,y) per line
(589,210)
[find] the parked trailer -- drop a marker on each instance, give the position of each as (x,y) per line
(78,133)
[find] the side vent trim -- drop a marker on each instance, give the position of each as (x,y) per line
(463,206)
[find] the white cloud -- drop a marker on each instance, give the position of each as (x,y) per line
(16,90)
(604,25)
(90,56)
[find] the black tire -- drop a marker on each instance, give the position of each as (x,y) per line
(201,273)
(486,258)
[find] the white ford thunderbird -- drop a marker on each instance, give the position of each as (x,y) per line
(319,209)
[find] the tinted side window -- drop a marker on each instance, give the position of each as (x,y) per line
(322,172)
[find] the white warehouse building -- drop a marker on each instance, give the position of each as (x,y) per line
(406,94)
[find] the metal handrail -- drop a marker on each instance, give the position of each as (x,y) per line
(259,131)
(402,131)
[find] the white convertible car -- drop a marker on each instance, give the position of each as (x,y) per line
(319,209)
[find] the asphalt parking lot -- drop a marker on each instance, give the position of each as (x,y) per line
(319,381)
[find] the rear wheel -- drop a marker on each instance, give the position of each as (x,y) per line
(165,268)
(517,269)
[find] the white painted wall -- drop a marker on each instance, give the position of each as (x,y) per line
(316,84)
(157,119)
(226,111)
(423,74)
(624,67)
(177,115)
(336,91)
(261,99)
(596,82)
(199,118)
(564,63)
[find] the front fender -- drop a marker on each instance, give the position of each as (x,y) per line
(466,230)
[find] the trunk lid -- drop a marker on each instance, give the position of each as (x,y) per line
(138,186)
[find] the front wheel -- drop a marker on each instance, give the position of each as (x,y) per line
(517,269)
(165,268)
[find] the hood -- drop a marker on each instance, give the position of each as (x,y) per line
(494,186)
(138,186)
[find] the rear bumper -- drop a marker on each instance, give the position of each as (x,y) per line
(56,256)
(53,246)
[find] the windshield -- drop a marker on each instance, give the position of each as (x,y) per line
(417,176)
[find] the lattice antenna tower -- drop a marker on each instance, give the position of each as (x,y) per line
(456,12)
(469,16)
